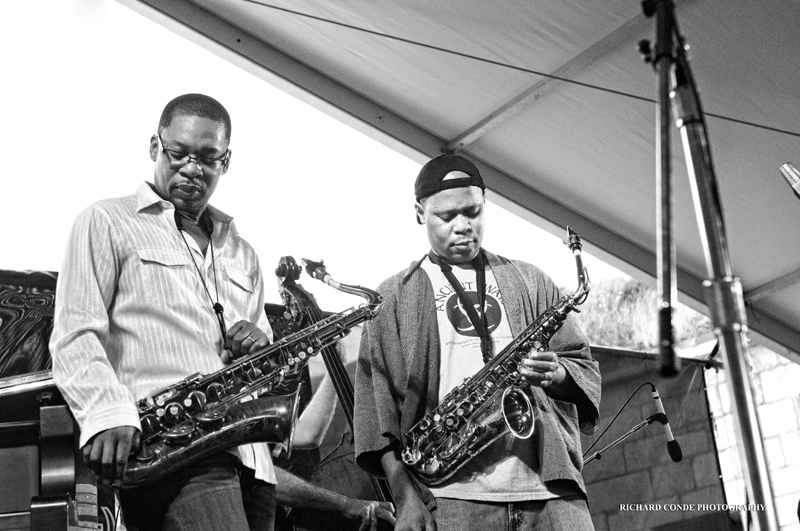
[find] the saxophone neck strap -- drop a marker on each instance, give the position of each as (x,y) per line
(478,321)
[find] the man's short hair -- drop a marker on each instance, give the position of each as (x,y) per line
(196,105)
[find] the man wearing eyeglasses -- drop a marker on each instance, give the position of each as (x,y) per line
(155,287)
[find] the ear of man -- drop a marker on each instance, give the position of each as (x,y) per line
(227,163)
(153,148)
(419,212)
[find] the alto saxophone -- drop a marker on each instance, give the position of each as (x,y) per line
(490,403)
(205,414)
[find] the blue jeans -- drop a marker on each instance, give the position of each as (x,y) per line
(559,514)
(216,493)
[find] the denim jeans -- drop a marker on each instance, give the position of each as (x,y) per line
(216,493)
(558,514)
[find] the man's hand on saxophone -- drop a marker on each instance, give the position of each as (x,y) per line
(241,339)
(412,514)
(542,369)
(107,453)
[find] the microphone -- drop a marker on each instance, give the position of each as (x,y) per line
(792,176)
(673,447)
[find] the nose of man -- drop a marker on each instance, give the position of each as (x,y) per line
(192,169)
(462,224)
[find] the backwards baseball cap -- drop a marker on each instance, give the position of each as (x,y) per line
(445,172)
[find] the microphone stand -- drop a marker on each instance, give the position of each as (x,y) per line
(665,247)
(723,292)
(660,417)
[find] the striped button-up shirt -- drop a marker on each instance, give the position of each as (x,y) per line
(132,315)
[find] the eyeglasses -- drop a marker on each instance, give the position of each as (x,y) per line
(181,158)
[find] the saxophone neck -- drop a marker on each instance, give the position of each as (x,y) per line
(576,246)
(320,272)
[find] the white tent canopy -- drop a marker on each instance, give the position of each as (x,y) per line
(554,101)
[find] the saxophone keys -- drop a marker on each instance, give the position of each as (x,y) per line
(215,392)
(452,421)
(150,426)
(411,457)
(181,434)
(195,402)
(268,366)
(303,348)
(407,456)
(173,413)
(145,405)
(145,453)
(432,466)
(254,374)
(213,418)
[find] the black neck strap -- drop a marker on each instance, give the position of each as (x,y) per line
(478,321)
(207,226)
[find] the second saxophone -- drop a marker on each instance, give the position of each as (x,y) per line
(491,403)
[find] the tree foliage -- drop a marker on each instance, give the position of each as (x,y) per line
(623,313)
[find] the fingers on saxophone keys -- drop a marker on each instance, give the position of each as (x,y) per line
(247,343)
(538,373)
(226,356)
(260,340)
(252,341)
(241,342)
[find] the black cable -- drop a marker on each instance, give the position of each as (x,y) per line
(615,418)
(216,306)
(506,65)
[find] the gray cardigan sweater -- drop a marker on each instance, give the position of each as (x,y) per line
(397,379)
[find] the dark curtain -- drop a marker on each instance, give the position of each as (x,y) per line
(26,321)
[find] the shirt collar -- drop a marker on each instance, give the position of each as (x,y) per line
(146,197)
(489,258)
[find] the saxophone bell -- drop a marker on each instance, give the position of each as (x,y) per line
(265,419)
(517,412)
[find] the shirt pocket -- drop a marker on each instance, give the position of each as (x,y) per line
(239,278)
(160,280)
(163,269)
(167,257)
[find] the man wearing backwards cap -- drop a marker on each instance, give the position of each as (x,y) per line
(441,320)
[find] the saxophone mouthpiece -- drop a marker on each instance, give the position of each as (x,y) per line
(316,269)
(574,242)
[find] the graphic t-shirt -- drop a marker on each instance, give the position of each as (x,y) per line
(508,469)
(457,334)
